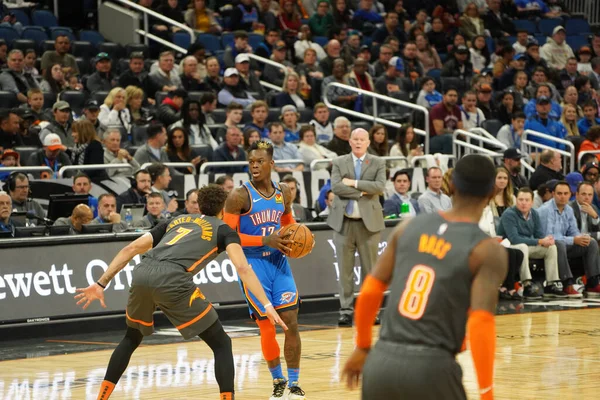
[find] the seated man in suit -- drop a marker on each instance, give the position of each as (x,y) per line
(156,208)
(82,215)
(401,195)
(585,212)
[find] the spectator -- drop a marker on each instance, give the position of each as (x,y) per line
(584,88)
(520,45)
(507,108)
(438,37)
(193,122)
(299,213)
(114,154)
(240,46)
(333,50)
(265,48)
(472,116)
(595,73)
(9,158)
(82,215)
(208,104)
(559,221)
(290,18)
(135,75)
(19,190)
(445,117)
(320,122)
(232,92)
(60,124)
(412,66)
(426,54)
(428,96)
(230,150)
(169,111)
(114,111)
(406,145)
(156,209)
(259,112)
(91,111)
(571,98)
(170,9)
(434,200)
(379,141)
(198,51)
(213,80)
(283,150)
(201,19)
(248,80)
(51,155)
(504,197)
(329,196)
(543,123)
(102,79)
(251,135)
(342,16)
(322,21)
(54,81)
(266,16)
(458,66)
(135,99)
(191,203)
(390,82)
(596,44)
(544,193)
(81,184)
(534,8)
(165,78)
(573,179)
(9,130)
(276,75)
(178,149)
(14,79)
(233,115)
(556,51)
(310,150)
(421,21)
(592,141)
(289,94)
(471,24)
(340,143)
(153,150)
(522,225)
(161,178)
(7,224)
(338,96)
(351,49)
(510,134)
(506,57)
(393,205)
(533,59)
(391,27)
(88,149)
(60,55)
(590,118)
(107,213)
(569,120)
(542,90)
(190,78)
(226,182)
(310,71)
(549,168)
(512,163)
(35,103)
(365,19)
(138,192)
(497,23)
(568,75)
(381,65)
(586,214)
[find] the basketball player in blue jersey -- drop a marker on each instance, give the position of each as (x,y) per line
(258,210)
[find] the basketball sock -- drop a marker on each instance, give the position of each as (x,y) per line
(277,372)
(220,344)
(121,356)
(106,390)
(293,375)
(268,341)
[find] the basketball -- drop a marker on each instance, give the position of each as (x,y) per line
(302,237)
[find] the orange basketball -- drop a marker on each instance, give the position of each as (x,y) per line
(303,238)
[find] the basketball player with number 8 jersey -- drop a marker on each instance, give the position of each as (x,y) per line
(441,270)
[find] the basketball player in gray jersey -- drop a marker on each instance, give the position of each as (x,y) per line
(175,251)
(440,269)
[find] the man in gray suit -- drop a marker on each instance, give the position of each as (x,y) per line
(356,216)
(588,221)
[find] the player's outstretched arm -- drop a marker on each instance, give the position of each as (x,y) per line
(490,261)
(247,275)
(367,306)
(96,290)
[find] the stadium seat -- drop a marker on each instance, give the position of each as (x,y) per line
(210,42)
(576,42)
(99,96)
(182,39)
(196,95)
(139,134)
(83,49)
(137,47)
(75,98)
(21,16)
(321,40)
(306,115)
(159,97)
(61,31)
(448,81)
(219,116)
(25,152)
(491,45)
(47,45)
(93,37)
(525,24)
(512,40)
(44,18)
(227,40)
(492,126)
(114,50)
(202,150)
(24,44)
(546,26)
(434,73)
(214,129)
(83,64)
(578,26)
(49,100)
(246,117)
(274,114)
(541,39)
(9,34)
(35,33)
(122,65)
(8,99)
(254,39)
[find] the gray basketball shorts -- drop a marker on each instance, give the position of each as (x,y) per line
(412,372)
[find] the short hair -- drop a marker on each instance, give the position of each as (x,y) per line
(233,106)
(474,176)
(154,129)
(240,34)
(339,120)
(563,183)
(5,115)
(526,189)
(546,156)
(401,172)
(222,179)
(318,106)
(15,51)
(140,171)
(156,195)
(61,35)
(262,145)
(105,195)
(593,133)
(81,175)
(136,55)
(189,193)
(165,54)
(449,89)
(432,168)
(518,115)
(156,169)
(211,200)
(289,178)
(274,125)
(208,97)
(589,104)
(33,91)
(259,104)
(306,128)
(469,93)
(584,183)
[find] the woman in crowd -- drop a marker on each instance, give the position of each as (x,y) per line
(569,119)
(592,141)
(519,88)
(88,149)
(178,149)
(507,107)
(29,63)
(201,19)
(135,98)
(54,80)
(251,135)
(421,21)
(438,37)
(428,96)
(170,9)
(192,120)
(571,97)
(290,117)
(470,23)
(504,197)
(114,111)
(379,141)
(311,150)
(289,93)
(480,55)
(342,16)
(406,144)
(305,42)
(290,18)
(427,54)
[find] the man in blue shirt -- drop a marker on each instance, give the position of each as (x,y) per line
(589,118)
(558,220)
(542,123)
(6,223)
(283,150)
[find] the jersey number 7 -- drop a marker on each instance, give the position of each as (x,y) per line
(416,294)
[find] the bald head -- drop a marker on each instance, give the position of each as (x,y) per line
(81,215)
(333,48)
(359,142)
(5,206)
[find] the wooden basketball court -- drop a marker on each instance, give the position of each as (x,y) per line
(540,355)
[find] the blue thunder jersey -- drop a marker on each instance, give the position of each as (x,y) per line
(263,218)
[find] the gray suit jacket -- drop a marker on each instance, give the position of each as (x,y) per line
(144,155)
(372,181)
(594,230)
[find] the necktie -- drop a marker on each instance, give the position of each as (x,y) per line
(357,170)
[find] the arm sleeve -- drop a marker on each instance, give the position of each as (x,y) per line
(481,329)
(367,306)
(225,237)
(158,232)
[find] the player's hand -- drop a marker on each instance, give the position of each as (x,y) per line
(353,367)
(278,242)
(89,294)
(274,317)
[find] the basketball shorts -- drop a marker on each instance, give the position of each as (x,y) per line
(172,289)
(411,372)
(275,275)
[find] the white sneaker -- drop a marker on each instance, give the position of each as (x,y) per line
(295,393)
(278,389)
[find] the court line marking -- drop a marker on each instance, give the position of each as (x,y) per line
(79,342)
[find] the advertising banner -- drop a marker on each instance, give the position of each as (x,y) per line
(37,284)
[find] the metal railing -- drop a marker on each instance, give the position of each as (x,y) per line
(27,169)
(527,147)
(583,153)
(174,165)
(270,62)
(374,117)
(216,164)
(88,167)
(314,163)
(415,160)
(469,148)
(589,8)
(146,31)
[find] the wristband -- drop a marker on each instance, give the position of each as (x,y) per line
(267,305)
(101,285)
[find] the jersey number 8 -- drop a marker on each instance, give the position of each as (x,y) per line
(416,294)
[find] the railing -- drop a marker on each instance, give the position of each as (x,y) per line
(568,156)
(374,117)
(27,169)
(66,168)
(583,153)
(314,163)
(174,165)
(469,148)
(416,159)
(589,8)
(146,31)
(270,62)
(216,164)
